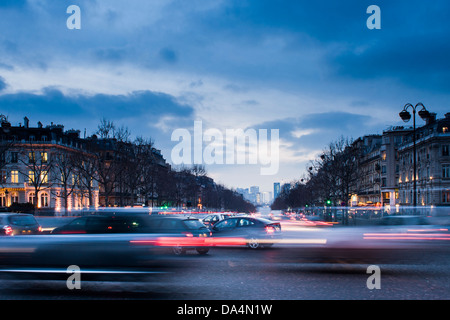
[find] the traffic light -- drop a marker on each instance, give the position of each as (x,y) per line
(328,202)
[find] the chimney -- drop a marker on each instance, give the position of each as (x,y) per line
(26,122)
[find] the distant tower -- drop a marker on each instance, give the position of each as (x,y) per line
(276,189)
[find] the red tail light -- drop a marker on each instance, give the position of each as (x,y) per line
(270,229)
(8,230)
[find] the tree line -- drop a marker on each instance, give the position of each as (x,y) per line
(329,180)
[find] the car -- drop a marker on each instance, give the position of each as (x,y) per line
(395,220)
(12,224)
(212,219)
(180,234)
(103,224)
(193,233)
(257,232)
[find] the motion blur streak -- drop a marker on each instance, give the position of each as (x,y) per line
(302,241)
(406,236)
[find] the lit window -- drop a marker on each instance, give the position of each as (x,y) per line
(14,176)
(31,177)
(44,176)
(31,157)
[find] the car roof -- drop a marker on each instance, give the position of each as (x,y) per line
(173,217)
(266,221)
(15,214)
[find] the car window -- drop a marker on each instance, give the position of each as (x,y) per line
(193,224)
(226,224)
(208,218)
(245,223)
(22,220)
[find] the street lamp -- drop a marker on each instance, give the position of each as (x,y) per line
(406,116)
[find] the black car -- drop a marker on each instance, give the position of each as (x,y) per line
(182,234)
(12,224)
(193,233)
(103,224)
(257,232)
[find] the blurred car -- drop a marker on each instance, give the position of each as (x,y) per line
(212,219)
(194,231)
(175,230)
(403,220)
(99,257)
(12,224)
(258,232)
(102,224)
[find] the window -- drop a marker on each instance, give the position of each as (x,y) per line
(44,157)
(14,176)
(44,176)
(31,177)
(245,222)
(44,199)
(227,224)
(445,150)
(31,198)
(446,196)
(446,171)
(14,197)
(14,157)
(31,157)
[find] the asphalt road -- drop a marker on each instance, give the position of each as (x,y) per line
(266,274)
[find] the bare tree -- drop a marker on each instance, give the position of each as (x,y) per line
(37,164)
(65,176)
(105,129)
(86,167)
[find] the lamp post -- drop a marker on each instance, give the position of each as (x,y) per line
(406,116)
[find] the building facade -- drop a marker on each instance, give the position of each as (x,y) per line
(432,164)
(38,167)
(386,166)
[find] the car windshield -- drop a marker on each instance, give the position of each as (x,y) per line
(22,220)
(194,224)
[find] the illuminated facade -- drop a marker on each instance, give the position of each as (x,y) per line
(39,166)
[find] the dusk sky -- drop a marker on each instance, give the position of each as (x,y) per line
(311,69)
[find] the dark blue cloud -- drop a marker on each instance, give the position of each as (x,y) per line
(139,110)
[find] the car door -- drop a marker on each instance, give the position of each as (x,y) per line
(172,226)
(76,226)
(245,227)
